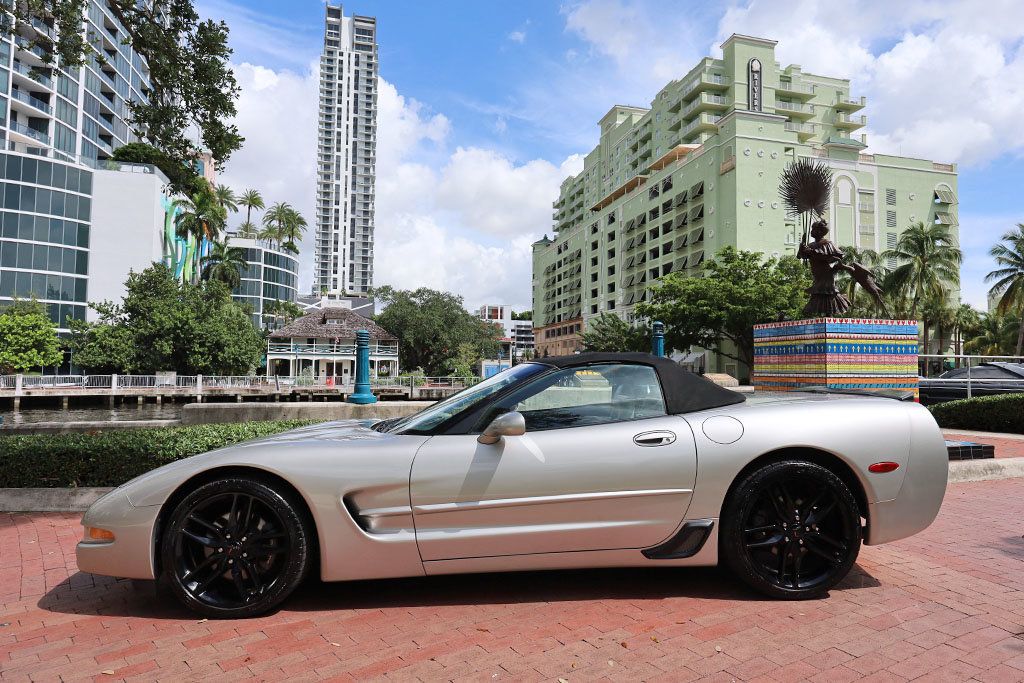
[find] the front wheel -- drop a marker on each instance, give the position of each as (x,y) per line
(791,530)
(235,547)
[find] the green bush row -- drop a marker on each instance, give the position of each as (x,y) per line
(112,458)
(1002,413)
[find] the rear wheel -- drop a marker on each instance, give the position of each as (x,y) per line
(235,548)
(791,530)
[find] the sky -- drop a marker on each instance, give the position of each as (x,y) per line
(486,106)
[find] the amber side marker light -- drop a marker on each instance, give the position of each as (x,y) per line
(883,467)
(97,535)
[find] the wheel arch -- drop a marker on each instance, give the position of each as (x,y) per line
(215,473)
(818,456)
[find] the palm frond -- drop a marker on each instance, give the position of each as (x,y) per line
(805,187)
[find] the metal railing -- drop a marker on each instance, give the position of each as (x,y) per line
(35,75)
(201,383)
(379,348)
(935,365)
(30,132)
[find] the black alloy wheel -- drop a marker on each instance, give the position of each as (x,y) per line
(235,548)
(791,530)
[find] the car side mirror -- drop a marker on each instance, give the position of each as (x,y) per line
(506,424)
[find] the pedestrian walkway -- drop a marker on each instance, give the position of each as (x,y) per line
(947,604)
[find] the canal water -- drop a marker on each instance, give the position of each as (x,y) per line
(92,413)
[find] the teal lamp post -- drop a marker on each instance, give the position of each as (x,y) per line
(658,338)
(362,393)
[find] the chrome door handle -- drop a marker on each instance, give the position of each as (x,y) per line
(656,438)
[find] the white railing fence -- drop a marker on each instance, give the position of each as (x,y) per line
(201,383)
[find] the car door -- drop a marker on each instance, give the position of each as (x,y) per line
(601,466)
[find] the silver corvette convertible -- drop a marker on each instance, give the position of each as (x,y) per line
(593,460)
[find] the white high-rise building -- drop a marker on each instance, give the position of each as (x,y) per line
(346,155)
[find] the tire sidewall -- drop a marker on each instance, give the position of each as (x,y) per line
(738,506)
(292,519)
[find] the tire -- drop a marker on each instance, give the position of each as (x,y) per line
(791,530)
(235,548)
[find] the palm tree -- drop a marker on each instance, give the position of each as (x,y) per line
(993,336)
(201,217)
(226,198)
(294,227)
(275,219)
(224,263)
(929,261)
(251,199)
(1009,278)
(965,321)
(248,229)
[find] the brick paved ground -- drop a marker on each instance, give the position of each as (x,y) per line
(946,605)
(1008,446)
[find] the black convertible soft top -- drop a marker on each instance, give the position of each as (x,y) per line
(685,391)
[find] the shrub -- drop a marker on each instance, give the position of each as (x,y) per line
(1002,413)
(112,458)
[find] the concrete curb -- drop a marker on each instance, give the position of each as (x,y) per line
(78,499)
(985,470)
(49,500)
(32,428)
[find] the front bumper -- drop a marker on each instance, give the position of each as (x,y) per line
(130,554)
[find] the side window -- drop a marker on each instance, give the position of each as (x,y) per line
(591,395)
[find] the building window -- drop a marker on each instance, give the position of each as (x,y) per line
(890,196)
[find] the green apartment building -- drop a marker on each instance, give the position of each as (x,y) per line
(668,186)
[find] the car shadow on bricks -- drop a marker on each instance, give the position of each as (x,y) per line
(110,597)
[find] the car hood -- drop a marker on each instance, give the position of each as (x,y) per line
(312,448)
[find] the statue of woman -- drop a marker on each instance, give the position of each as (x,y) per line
(826,260)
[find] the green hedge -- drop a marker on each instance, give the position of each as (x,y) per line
(112,458)
(1002,413)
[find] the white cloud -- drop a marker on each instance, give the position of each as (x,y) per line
(460,220)
(279,154)
(517,36)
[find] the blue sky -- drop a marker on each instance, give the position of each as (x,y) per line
(487,106)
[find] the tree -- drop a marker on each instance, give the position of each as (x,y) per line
(224,263)
(928,263)
(467,358)
(524,315)
(1008,278)
(249,230)
(182,177)
(609,332)
(161,325)
(251,199)
(718,311)
(994,335)
(28,338)
(226,199)
(201,217)
(282,311)
(191,90)
(430,326)
(274,220)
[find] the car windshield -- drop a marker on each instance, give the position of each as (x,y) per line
(428,419)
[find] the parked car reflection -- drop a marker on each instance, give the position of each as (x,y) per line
(984,379)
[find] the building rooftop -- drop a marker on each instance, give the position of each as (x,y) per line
(333,323)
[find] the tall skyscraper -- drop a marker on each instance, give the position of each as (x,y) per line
(346,155)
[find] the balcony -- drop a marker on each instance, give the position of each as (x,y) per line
(30,51)
(706,102)
(34,102)
(803,131)
(803,91)
(705,81)
(846,122)
(797,110)
(845,103)
(32,133)
(32,74)
(705,123)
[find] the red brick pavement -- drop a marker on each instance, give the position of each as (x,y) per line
(1005,447)
(945,605)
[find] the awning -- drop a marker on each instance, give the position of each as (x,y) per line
(641,220)
(697,212)
(679,200)
(697,189)
(630,224)
(666,184)
(628,299)
(681,220)
(944,218)
(945,197)
(680,262)
(698,236)
(627,281)
(681,241)
(630,261)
